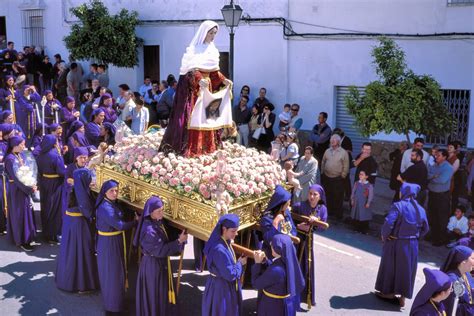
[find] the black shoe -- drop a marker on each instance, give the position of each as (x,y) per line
(27,247)
(54,241)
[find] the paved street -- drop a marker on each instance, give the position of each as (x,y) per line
(347,265)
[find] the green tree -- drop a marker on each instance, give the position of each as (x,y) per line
(102,37)
(400,101)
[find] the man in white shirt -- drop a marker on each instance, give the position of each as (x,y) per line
(406,159)
(127,105)
(458,223)
(145,86)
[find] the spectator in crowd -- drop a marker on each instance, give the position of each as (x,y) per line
(123,89)
(361,200)
(406,159)
(139,116)
(416,173)
(46,74)
(253,125)
(266,120)
(56,67)
(10,50)
(95,88)
(432,159)
(261,101)
(145,86)
(151,98)
(365,161)
(396,157)
(284,117)
(320,136)
(93,74)
(295,120)
(334,169)
(73,81)
(346,144)
(245,91)
(19,71)
(290,150)
(458,225)
(456,182)
(439,177)
(61,83)
(165,103)
(127,107)
(103,76)
(86,101)
(241,117)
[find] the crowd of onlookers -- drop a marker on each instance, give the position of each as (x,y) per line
(72,94)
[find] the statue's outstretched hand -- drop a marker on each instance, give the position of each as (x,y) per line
(227,82)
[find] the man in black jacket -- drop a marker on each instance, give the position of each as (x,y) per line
(416,173)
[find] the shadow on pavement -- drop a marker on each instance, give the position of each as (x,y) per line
(362,301)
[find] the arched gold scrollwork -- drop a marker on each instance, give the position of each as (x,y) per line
(190,209)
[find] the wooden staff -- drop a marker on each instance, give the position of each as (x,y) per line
(306,219)
(294,239)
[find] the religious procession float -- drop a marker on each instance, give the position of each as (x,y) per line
(195,191)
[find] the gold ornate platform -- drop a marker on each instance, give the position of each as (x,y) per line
(199,218)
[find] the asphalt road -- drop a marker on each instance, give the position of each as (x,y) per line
(346,264)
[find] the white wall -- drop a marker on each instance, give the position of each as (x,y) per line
(303,71)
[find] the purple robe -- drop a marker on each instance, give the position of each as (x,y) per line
(77,266)
(268,231)
(49,113)
(223,293)
(465,308)
(320,211)
(152,281)
(3,184)
(272,280)
(26,116)
(428,309)
(404,225)
(110,255)
(110,114)
(92,134)
(51,172)
(67,118)
(21,224)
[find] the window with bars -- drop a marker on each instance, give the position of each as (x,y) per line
(32,25)
(458,104)
(460,2)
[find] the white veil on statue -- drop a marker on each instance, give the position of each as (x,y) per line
(200,55)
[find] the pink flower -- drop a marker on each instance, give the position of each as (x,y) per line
(187,188)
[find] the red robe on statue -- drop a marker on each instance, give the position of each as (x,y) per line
(178,138)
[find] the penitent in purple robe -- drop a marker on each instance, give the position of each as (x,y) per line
(51,172)
(223,293)
(67,118)
(92,134)
(26,116)
(152,296)
(77,266)
(110,255)
(404,225)
(21,224)
(321,212)
(273,280)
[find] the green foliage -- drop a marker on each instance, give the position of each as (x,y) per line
(105,38)
(401,101)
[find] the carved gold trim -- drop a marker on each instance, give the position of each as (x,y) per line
(191,212)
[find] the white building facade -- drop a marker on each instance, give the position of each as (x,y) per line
(313,70)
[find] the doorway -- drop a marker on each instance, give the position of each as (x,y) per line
(151,61)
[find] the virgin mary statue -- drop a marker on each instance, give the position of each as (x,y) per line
(190,131)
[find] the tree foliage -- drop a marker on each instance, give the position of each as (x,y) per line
(102,37)
(400,101)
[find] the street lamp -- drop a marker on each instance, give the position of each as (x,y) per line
(231,13)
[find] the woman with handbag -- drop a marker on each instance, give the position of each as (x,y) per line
(266,121)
